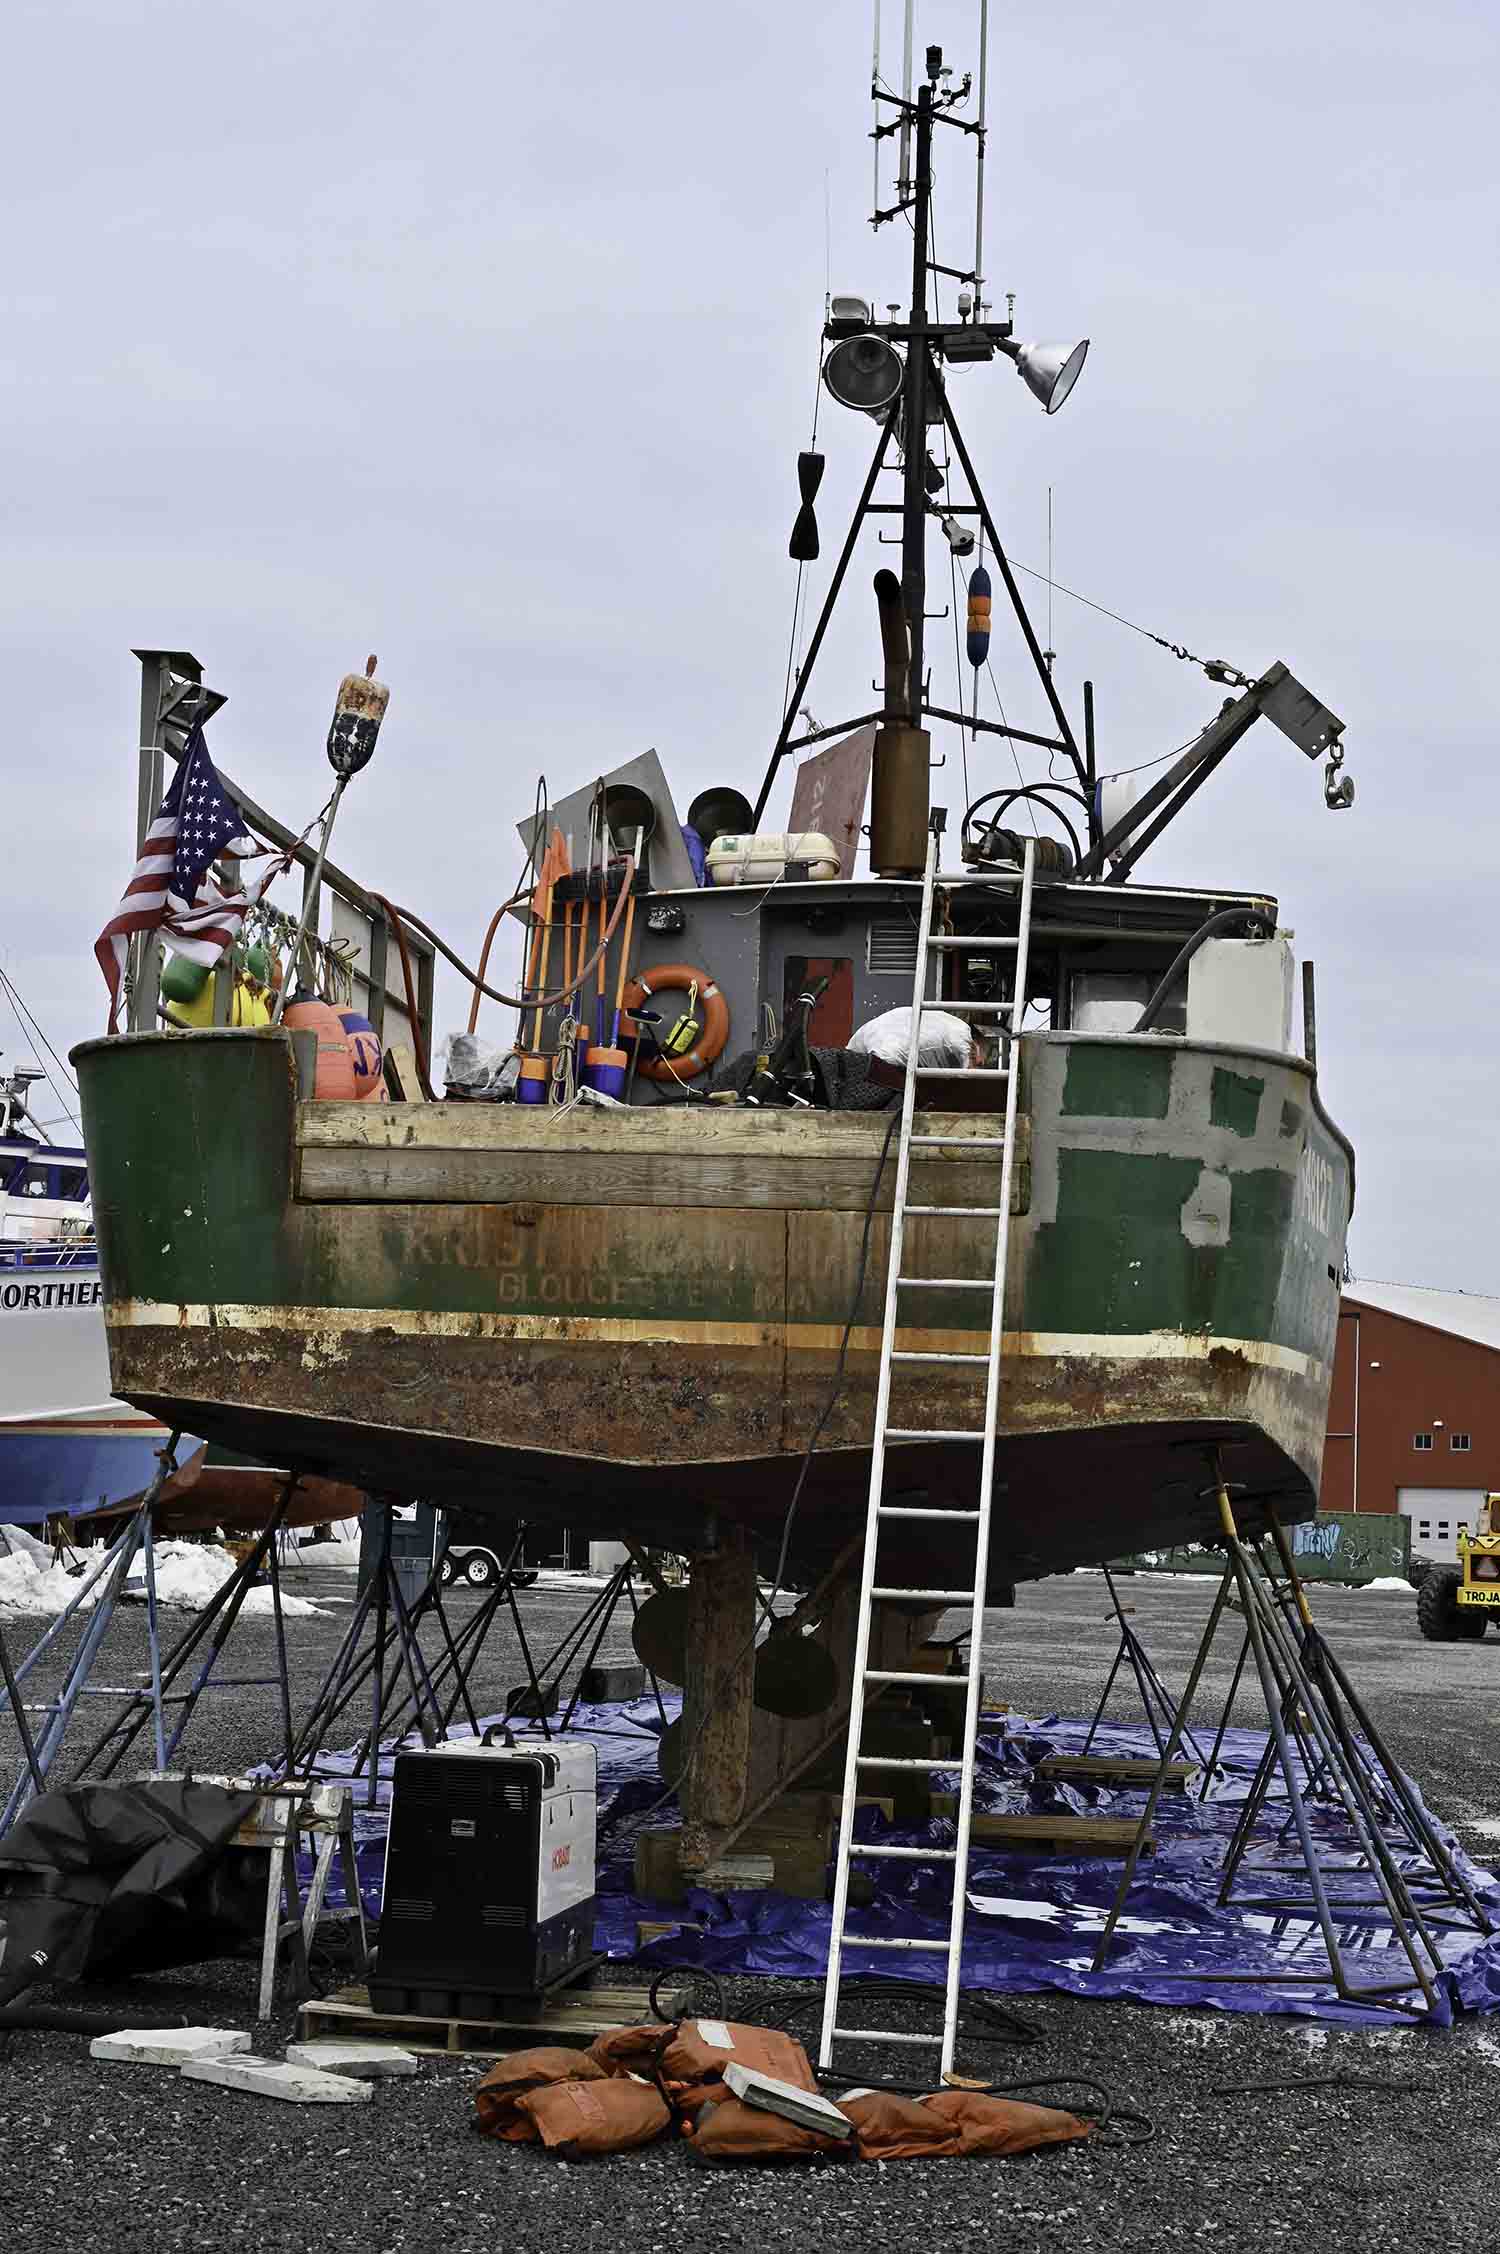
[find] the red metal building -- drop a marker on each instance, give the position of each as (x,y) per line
(1414,1418)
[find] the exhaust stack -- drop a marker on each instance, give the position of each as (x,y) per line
(902,756)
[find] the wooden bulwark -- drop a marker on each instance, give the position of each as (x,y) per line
(505,1154)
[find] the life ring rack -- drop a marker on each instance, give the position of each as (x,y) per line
(683,977)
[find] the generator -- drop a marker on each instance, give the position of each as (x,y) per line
(489,1875)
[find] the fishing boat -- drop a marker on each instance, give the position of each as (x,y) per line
(67,1448)
(648,1315)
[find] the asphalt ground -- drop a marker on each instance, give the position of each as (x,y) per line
(136,2157)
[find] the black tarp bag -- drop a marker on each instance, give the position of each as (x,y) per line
(106,1880)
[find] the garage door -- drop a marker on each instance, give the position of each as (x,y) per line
(1436,1514)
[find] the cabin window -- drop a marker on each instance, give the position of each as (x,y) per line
(1459,1443)
(1422,1442)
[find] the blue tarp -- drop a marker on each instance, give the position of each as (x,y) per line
(1033,1920)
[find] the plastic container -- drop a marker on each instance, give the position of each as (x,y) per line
(738,858)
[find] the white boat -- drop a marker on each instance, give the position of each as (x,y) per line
(67,1446)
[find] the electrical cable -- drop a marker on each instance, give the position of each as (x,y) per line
(1207,930)
(689,1751)
(539,814)
(510,1001)
(984,2019)
(1015,756)
(989,2020)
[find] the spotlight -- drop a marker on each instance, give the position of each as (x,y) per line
(864,372)
(1049,371)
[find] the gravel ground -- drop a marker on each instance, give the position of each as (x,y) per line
(121,2156)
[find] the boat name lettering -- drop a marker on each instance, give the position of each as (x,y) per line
(577,1288)
(1315,1191)
(77,1291)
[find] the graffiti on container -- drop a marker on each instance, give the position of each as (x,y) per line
(1316,1539)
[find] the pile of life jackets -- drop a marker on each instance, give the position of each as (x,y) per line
(638,2084)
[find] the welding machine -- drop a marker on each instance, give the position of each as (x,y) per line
(489,1875)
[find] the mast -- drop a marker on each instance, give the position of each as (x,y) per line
(914,412)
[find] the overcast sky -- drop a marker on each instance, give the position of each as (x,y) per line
(485,338)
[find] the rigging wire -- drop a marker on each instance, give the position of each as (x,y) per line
(24,1019)
(799,606)
(1176,649)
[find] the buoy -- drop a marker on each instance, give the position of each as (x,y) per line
(246,1008)
(358,711)
(182,981)
(979,616)
(535,1077)
(364,1049)
(333,1082)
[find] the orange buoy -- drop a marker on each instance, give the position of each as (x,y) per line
(334,1081)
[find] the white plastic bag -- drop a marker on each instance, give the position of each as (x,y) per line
(468,1063)
(944,1039)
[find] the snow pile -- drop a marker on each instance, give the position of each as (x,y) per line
(16,1542)
(27,1587)
(189,1575)
(1386,1584)
(326,1553)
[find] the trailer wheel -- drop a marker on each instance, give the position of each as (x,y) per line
(1440,1617)
(479,1569)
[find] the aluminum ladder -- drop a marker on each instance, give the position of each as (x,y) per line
(858,1763)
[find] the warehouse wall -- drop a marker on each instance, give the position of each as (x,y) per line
(1411,1381)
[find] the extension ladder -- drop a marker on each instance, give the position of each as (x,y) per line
(859,1763)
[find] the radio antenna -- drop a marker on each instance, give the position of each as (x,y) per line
(875,102)
(984,56)
(903,183)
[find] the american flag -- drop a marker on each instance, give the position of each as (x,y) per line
(170,890)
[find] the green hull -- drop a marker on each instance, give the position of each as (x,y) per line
(631,1322)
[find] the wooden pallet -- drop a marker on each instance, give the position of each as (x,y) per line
(1104,1768)
(574,2015)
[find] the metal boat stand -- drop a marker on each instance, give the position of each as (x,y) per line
(138,1705)
(1383,1864)
(435,1691)
(1159,1704)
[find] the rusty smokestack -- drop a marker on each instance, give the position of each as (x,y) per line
(899,771)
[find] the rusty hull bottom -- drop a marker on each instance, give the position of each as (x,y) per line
(1065,1497)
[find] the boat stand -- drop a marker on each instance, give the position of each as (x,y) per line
(1159,1704)
(434,1693)
(151,1704)
(1381,1862)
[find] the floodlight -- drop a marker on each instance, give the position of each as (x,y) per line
(1049,371)
(864,372)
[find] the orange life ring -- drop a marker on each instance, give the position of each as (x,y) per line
(710,1043)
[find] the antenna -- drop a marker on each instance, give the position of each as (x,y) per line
(875,101)
(984,57)
(903,182)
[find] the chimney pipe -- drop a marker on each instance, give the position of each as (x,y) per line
(903,754)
